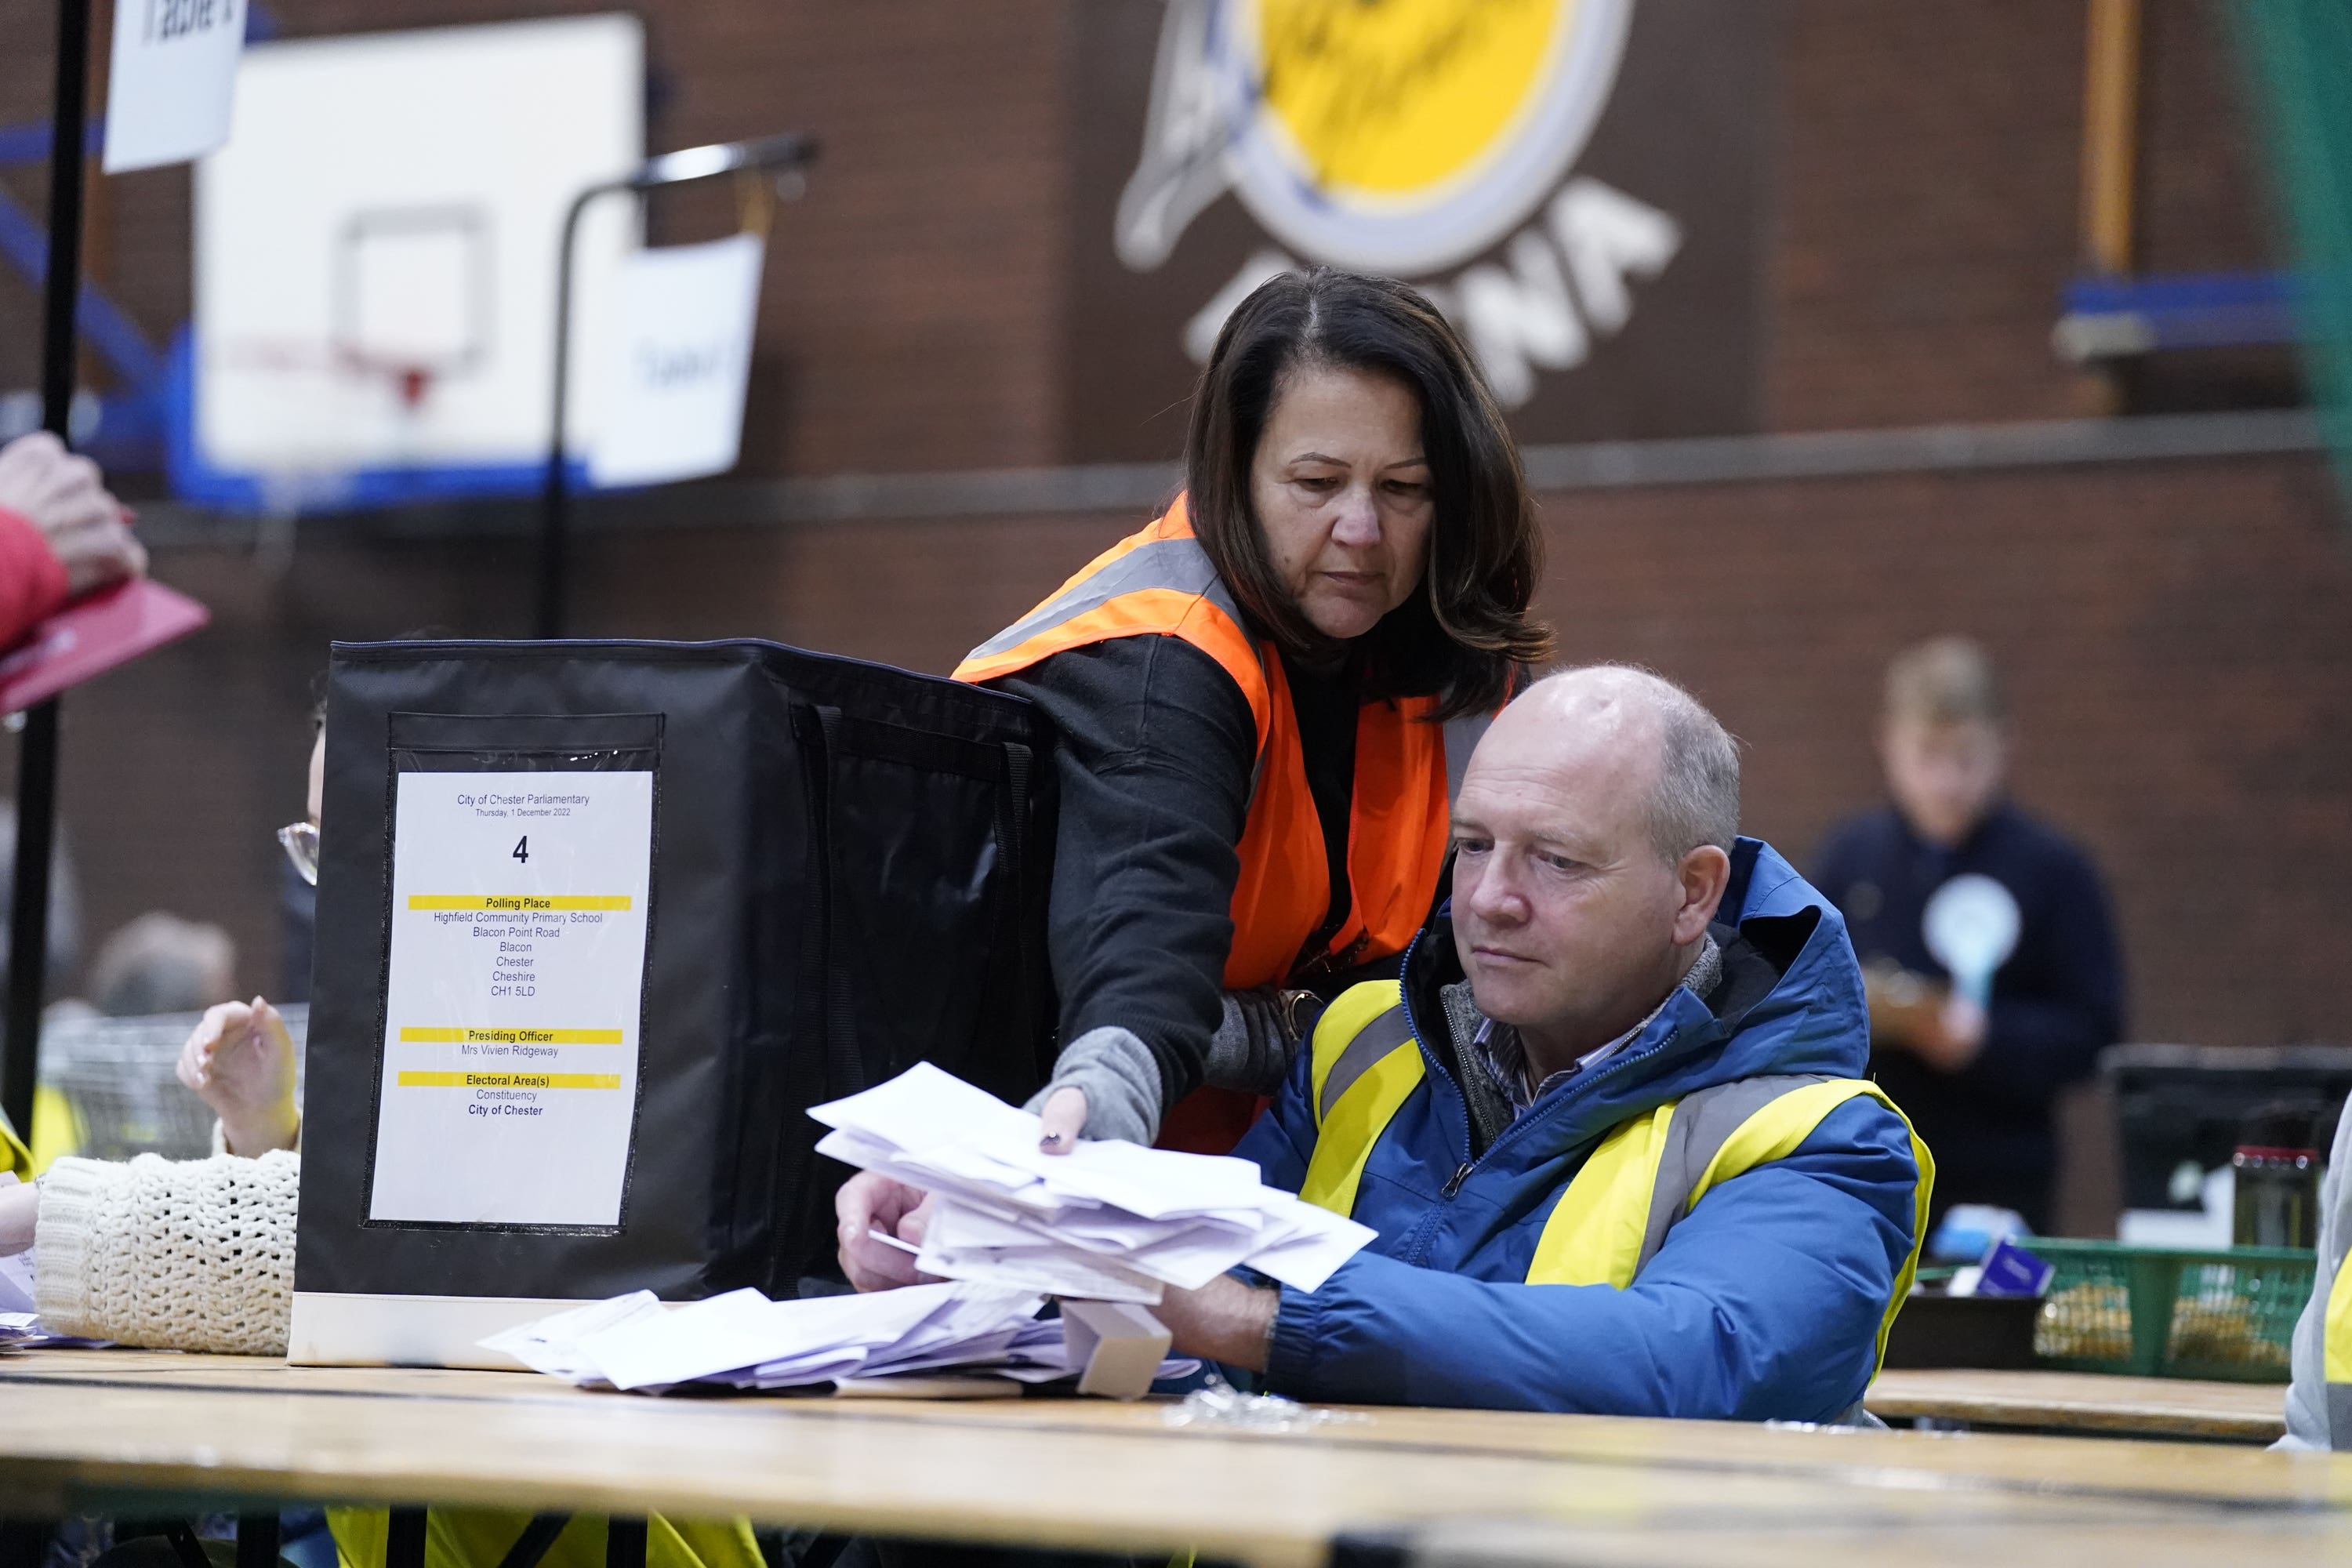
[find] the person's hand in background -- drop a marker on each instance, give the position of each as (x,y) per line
(66,498)
(1923,1016)
(240,1061)
(1958,1036)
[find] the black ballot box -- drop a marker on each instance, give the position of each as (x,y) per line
(597,922)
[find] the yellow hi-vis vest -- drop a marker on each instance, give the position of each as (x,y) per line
(1648,1172)
(2337,1357)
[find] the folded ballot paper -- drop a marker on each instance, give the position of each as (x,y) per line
(1109,1221)
(744,1340)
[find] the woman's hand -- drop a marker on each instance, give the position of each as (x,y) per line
(20,1205)
(240,1061)
(1063,1119)
(868,1203)
(66,498)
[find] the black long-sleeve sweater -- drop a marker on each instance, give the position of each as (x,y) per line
(1157,750)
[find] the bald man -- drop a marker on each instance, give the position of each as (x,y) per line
(1611,1126)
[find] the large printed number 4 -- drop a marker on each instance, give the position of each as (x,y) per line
(522,850)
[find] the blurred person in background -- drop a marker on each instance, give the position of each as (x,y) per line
(185,1254)
(162,963)
(297,928)
(1978,1079)
(1263,697)
(65,902)
(62,534)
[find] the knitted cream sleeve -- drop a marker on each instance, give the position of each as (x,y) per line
(191,1254)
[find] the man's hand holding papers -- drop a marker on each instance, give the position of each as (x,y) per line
(1109,1221)
(881,1232)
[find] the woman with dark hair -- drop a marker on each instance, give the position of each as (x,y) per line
(1263,698)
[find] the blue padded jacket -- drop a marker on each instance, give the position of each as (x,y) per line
(1765,1301)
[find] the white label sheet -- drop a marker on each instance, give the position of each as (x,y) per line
(517,978)
(172,79)
(678,363)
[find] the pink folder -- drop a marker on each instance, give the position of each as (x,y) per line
(92,636)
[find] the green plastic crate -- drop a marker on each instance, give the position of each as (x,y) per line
(2155,1311)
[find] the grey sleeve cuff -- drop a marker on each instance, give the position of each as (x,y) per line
(1253,1048)
(1120,1078)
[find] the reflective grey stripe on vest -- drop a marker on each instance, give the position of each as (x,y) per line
(1373,1041)
(1180,564)
(1704,1120)
(2340,1412)
(1462,737)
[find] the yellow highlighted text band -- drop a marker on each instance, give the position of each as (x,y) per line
(524,903)
(510,1080)
(429,1037)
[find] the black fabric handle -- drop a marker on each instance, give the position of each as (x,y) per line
(844,1068)
(1013,837)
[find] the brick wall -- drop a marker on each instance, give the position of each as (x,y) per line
(1929,162)
(2178,637)
(1929,207)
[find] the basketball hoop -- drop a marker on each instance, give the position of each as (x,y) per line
(368,321)
(384,408)
(410,380)
(415,381)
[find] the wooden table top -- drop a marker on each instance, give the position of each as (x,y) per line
(2088,1402)
(2164,1539)
(105,1429)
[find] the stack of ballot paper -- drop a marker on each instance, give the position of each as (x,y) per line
(1110,1221)
(23,1330)
(743,1339)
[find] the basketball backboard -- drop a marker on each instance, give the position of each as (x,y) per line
(375,252)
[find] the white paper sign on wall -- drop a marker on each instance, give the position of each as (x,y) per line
(172,79)
(677,362)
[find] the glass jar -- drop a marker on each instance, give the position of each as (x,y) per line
(2278,1197)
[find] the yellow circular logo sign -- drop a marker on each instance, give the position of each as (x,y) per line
(1394,100)
(1394,135)
(1405,135)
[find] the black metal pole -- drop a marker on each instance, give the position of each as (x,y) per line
(36,754)
(770,155)
(555,497)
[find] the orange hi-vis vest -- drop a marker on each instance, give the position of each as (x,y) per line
(1160,582)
